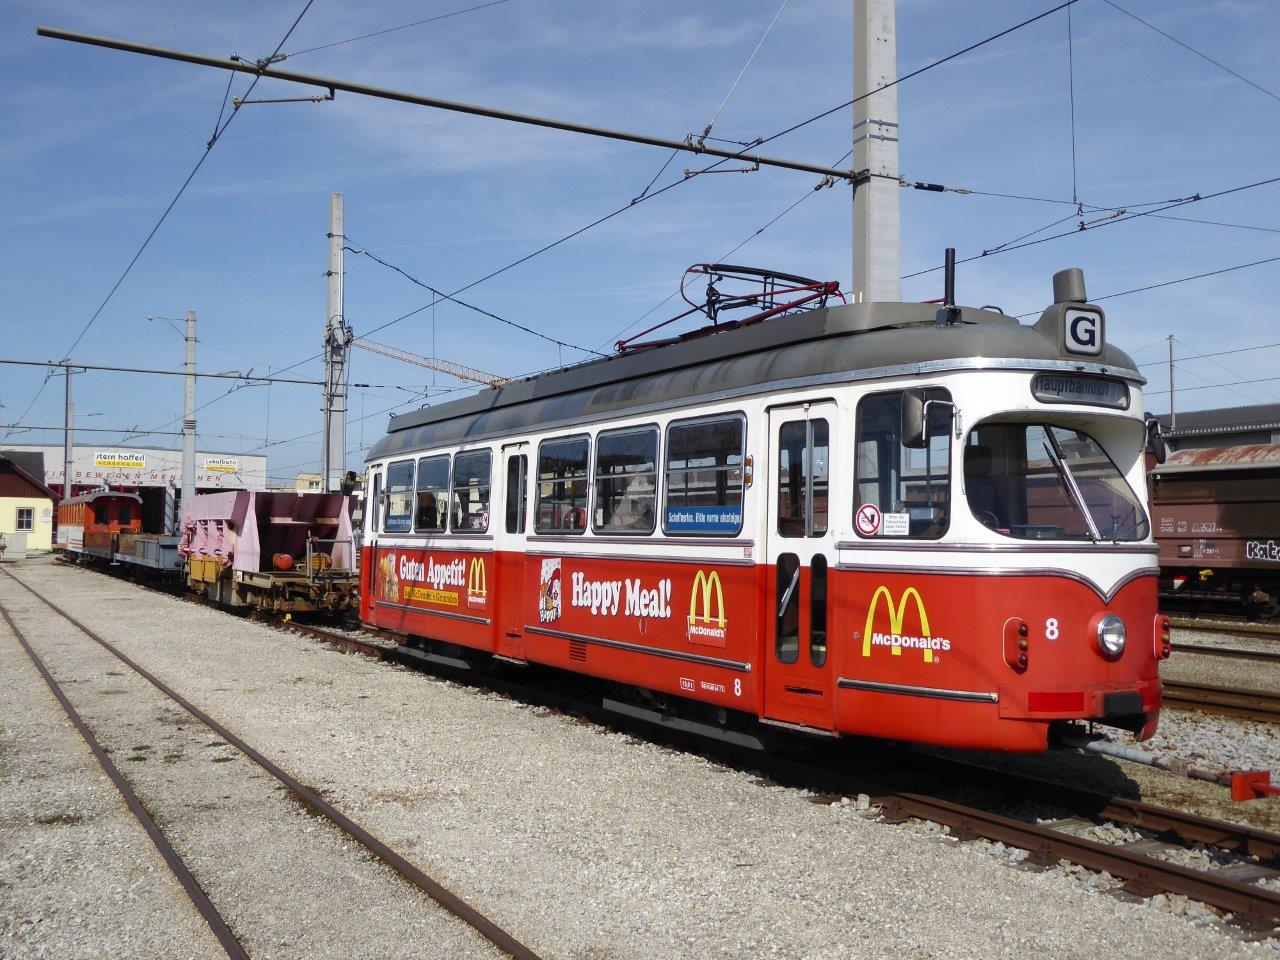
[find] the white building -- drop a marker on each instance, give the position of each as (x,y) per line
(117,466)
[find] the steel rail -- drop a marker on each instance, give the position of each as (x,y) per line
(1225,626)
(311,798)
(262,69)
(1247,704)
(1234,653)
(218,925)
(1253,903)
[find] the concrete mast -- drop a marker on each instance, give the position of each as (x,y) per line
(337,338)
(877,227)
(189,416)
(68,439)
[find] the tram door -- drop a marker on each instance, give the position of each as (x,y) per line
(509,557)
(800,547)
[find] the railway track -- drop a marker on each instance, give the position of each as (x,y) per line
(1258,705)
(1141,866)
(1219,625)
(1234,653)
(1138,864)
(304,794)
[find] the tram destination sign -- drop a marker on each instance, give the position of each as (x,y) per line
(1077,388)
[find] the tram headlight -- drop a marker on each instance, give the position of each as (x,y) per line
(1111,635)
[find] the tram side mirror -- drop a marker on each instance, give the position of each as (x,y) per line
(915,431)
(1155,440)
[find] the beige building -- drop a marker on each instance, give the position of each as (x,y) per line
(308,483)
(26,504)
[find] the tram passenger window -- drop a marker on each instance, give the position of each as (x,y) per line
(469,501)
(374,506)
(818,610)
(562,485)
(804,453)
(432,493)
(704,477)
(399,516)
(626,481)
(787,632)
(910,488)
(517,493)
(1036,481)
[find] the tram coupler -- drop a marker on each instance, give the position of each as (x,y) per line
(1243,784)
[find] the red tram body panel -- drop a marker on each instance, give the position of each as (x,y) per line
(875,519)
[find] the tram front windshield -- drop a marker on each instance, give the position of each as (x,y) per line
(1036,481)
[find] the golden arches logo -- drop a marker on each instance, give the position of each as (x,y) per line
(894,639)
(477,582)
(705,586)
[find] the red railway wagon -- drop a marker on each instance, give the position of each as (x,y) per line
(910,521)
(90,525)
(1217,522)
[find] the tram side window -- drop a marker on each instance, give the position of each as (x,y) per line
(469,503)
(704,477)
(911,488)
(562,485)
(626,481)
(432,493)
(517,493)
(374,506)
(399,515)
(804,454)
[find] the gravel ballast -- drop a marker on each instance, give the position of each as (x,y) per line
(589,844)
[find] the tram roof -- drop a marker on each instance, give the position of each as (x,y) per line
(858,340)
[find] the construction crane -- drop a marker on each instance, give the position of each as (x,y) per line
(461,371)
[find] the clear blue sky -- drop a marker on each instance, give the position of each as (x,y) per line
(96,142)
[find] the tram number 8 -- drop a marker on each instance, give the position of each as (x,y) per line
(1051,628)
(737,687)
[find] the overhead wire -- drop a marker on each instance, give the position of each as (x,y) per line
(1268,393)
(441,295)
(1202,55)
(379,33)
(217,134)
(1125,218)
(706,132)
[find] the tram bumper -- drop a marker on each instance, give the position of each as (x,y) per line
(1132,706)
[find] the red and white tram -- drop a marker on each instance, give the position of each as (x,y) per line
(911,521)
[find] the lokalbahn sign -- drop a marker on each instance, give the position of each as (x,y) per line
(894,638)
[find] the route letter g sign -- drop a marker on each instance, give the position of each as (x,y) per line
(1082,332)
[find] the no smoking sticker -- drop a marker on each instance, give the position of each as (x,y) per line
(868,520)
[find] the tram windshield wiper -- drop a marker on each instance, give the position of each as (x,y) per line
(1069,481)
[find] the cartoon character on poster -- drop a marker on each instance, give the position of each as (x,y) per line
(549,593)
(390,581)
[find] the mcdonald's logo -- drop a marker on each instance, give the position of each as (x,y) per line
(707,625)
(895,639)
(477,584)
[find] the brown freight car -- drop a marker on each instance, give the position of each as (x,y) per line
(1216,514)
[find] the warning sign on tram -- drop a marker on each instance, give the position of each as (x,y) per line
(868,520)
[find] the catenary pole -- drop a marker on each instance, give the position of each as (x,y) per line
(337,339)
(877,228)
(189,417)
(1173,409)
(68,440)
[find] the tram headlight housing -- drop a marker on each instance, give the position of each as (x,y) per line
(1111,636)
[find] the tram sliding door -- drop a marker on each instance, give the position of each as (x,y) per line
(800,550)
